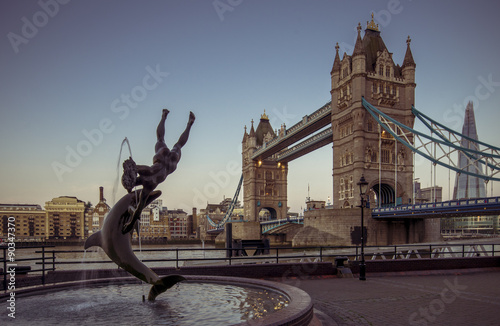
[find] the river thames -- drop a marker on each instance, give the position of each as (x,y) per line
(75,257)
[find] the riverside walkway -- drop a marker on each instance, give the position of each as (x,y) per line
(458,297)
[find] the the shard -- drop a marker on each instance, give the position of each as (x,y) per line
(469,186)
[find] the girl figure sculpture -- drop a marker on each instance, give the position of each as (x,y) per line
(164,163)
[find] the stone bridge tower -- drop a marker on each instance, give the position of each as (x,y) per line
(264,182)
(359,145)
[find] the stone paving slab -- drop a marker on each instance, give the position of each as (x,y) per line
(464,297)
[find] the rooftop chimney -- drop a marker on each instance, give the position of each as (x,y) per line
(101,194)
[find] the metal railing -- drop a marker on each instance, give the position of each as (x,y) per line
(445,204)
(48,259)
(11,266)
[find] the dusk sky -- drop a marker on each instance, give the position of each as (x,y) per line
(77,77)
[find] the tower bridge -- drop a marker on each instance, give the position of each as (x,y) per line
(369,121)
(286,137)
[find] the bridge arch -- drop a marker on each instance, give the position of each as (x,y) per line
(267,214)
(384,193)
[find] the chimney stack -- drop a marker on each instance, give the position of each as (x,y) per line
(101,194)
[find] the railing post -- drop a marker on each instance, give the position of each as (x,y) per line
(277,255)
(395,252)
(357,253)
(492,250)
(176,258)
(53,260)
(321,254)
(43,265)
(430,251)
(463,250)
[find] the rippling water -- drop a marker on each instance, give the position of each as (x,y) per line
(187,303)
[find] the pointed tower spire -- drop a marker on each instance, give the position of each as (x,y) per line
(359,55)
(245,135)
(408,60)
(371,25)
(358,47)
(252,130)
(336,61)
(264,116)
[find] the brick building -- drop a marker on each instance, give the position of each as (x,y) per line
(30,221)
(98,213)
(178,224)
(65,218)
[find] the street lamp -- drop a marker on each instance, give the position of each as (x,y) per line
(363,185)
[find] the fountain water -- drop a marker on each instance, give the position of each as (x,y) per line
(118,167)
(201,300)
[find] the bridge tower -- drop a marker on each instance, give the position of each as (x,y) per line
(359,147)
(264,181)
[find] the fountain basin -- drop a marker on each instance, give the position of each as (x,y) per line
(201,300)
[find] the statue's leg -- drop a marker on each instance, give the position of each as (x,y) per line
(185,135)
(160,131)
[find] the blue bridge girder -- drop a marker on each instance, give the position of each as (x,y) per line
(270,227)
(438,149)
(307,126)
(450,208)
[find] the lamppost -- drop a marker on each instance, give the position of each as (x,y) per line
(362,191)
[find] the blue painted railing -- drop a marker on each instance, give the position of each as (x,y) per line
(445,205)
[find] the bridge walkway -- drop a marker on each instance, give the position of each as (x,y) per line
(450,208)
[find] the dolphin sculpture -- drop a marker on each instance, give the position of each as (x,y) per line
(118,246)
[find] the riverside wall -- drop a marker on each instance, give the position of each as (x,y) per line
(342,227)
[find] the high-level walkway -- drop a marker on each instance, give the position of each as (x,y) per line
(458,297)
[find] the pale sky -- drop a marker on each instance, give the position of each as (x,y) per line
(77,77)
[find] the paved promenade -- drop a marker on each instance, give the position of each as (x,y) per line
(458,297)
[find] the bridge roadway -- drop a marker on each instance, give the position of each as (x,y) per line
(451,208)
(308,126)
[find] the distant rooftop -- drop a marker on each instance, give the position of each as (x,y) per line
(20,207)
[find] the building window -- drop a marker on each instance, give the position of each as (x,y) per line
(388,71)
(386,155)
(381,70)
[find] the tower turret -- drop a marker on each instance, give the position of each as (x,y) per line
(408,68)
(359,55)
(408,72)
(358,73)
(335,73)
(252,140)
(245,136)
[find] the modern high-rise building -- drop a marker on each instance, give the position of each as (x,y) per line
(468,186)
